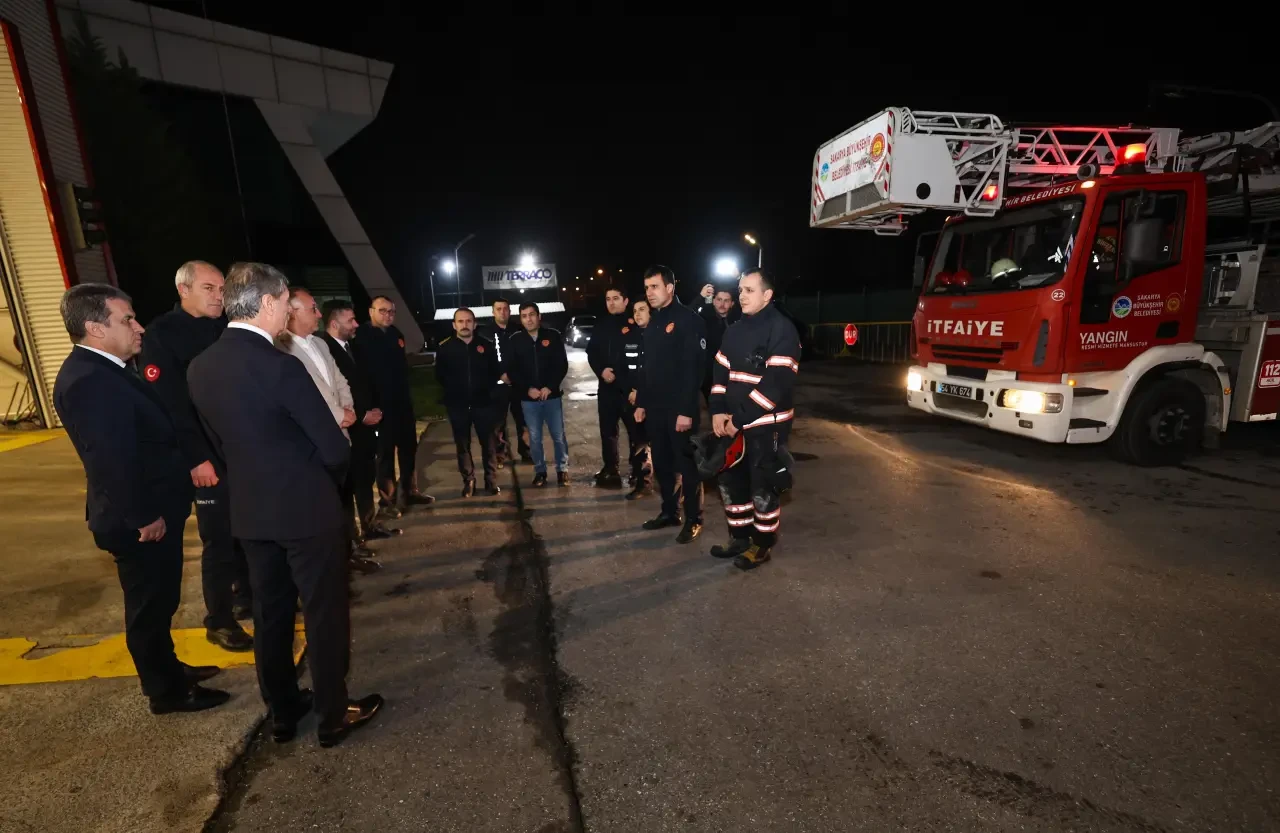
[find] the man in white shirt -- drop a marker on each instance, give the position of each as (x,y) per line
(300,341)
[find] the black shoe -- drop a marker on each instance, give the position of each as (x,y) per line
(492,488)
(284,722)
(736,547)
(468,488)
(359,712)
(752,558)
(196,699)
(390,512)
(376,532)
(661,522)
(562,478)
(639,492)
(199,673)
(230,638)
(363,566)
(613,480)
(419,499)
(690,532)
(243,612)
(540,479)
(603,473)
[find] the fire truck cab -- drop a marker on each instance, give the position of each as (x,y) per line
(1074,294)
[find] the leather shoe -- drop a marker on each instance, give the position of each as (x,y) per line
(376,532)
(196,699)
(199,673)
(418,499)
(243,612)
(661,522)
(491,488)
(284,724)
(364,566)
(468,488)
(540,478)
(689,533)
(639,492)
(358,713)
(230,639)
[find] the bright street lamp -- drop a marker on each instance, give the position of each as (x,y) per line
(449,267)
(526,261)
(756,243)
(726,267)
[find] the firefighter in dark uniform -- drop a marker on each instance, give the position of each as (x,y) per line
(503,329)
(755,371)
(469,373)
(171,341)
(667,400)
(632,361)
(605,355)
(380,347)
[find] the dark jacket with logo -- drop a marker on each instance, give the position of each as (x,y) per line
(540,363)
(171,341)
(632,358)
(605,350)
(381,353)
(755,370)
(716,327)
(674,345)
(468,373)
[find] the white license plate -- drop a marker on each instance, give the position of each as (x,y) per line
(964,391)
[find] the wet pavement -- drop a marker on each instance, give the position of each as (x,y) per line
(959,631)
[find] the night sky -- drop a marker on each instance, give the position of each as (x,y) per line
(596,142)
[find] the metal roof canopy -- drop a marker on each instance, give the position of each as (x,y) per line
(313,99)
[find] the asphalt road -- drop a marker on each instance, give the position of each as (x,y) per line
(959,631)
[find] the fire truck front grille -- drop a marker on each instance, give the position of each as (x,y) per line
(959,404)
(978,373)
(965,353)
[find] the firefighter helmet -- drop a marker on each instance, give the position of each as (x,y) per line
(714,455)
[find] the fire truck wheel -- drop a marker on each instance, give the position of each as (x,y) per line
(1162,424)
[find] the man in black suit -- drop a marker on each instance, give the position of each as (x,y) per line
(139,489)
(285,458)
(339,326)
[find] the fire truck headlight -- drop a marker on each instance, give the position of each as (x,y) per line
(914,382)
(1031,401)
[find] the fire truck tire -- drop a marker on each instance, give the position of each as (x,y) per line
(1162,424)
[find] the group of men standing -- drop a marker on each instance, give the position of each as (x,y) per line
(278,435)
(657,363)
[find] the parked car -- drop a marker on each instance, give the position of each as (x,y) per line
(580,327)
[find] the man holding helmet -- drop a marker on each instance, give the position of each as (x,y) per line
(751,396)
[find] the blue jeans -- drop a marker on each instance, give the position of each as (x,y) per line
(549,412)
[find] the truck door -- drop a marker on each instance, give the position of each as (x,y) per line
(1135,279)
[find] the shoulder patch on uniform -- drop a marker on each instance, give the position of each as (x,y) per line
(626,330)
(479,348)
(151,372)
(671,326)
(400,341)
(546,342)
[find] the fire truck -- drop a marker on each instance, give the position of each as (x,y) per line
(1091,284)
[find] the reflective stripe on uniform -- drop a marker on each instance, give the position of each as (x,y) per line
(719,389)
(749,378)
(762,400)
(782,361)
(723,359)
(770,419)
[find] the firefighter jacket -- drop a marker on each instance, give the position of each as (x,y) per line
(675,344)
(468,373)
(605,350)
(632,356)
(755,370)
(539,362)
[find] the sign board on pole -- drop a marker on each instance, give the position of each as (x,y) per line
(851,334)
(540,276)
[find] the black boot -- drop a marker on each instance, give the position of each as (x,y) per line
(661,522)
(735,547)
(753,557)
(540,478)
(469,487)
(492,488)
(689,533)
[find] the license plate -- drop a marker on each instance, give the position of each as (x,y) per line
(963,391)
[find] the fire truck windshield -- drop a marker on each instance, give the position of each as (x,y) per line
(1025,248)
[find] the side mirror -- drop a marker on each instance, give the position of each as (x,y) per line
(1141,247)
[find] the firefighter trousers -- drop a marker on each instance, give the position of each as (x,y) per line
(612,407)
(752,506)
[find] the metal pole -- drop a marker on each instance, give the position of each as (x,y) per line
(759,256)
(431,279)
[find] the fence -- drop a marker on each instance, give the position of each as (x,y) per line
(887,342)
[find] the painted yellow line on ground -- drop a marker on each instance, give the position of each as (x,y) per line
(12,442)
(108,657)
(920,461)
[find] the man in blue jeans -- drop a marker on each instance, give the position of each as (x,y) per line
(537,365)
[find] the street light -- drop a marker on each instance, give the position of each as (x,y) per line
(756,243)
(526,261)
(726,267)
(449,267)
(458,284)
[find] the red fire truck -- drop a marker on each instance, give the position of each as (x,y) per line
(1091,284)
